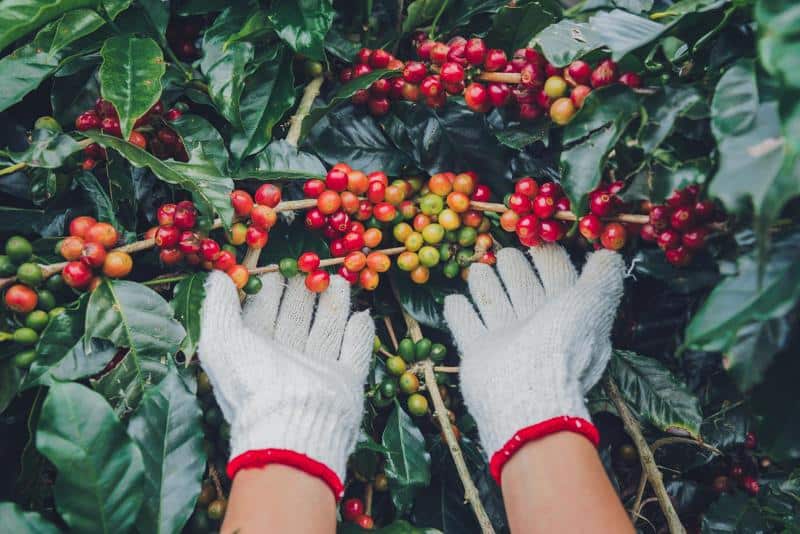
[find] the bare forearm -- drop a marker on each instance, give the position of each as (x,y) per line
(557,484)
(279,499)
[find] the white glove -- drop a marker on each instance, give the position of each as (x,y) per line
(291,391)
(537,346)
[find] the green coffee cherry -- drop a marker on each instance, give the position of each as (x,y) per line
(288,267)
(438,352)
(25,336)
(19,249)
(422,349)
(406,349)
(25,358)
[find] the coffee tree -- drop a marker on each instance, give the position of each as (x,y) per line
(395,143)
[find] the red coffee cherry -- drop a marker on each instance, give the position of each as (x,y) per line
(614,236)
(495,60)
(682,219)
(22,299)
(544,206)
(308,262)
(550,230)
(241,201)
(590,227)
(268,195)
(475,51)
(580,71)
(669,239)
(477,97)
(631,79)
(318,281)
(604,74)
(679,257)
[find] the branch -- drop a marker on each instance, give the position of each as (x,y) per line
(440,412)
(646,457)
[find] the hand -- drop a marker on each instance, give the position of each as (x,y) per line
(537,346)
(291,391)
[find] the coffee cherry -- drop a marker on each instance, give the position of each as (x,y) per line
(452,73)
(562,111)
(378,262)
(475,51)
(379,59)
(438,53)
(102,233)
(420,275)
(313,188)
(750,440)
(679,257)
(550,230)
(604,74)
(579,94)
(167,236)
(601,203)
(648,233)
(590,227)
(704,211)
(660,217)
(166,214)
(88,120)
(352,508)
(336,248)
(580,71)
(77,227)
(414,72)
(365,522)
(138,140)
(269,195)
(751,485)
(424,48)
(527,227)
(328,202)
(417,404)
(551,189)
(527,186)
(21,298)
(477,97)
(695,239)
(93,254)
(631,79)
(76,274)
(225,260)
(314,219)
(495,60)
(256,237)
(555,87)
(544,206)
(110,126)
(614,236)
(117,264)
(482,193)
(355,261)
(682,219)
(209,249)
(669,239)
(679,198)
(241,201)
(318,281)
(185,215)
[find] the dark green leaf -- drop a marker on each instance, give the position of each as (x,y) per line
(72,95)
(268,95)
(98,197)
(22,71)
(733,513)
(130,77)
(16,520)
(779,42)
(209,188)
(282,160)
(72,26)
(754,348)
(423,302)
(516,24)
(622,32)
(735,102)
(517,135)
(303,24)
(48,149)
(776,402)
(566,40)
(9,382)
(662,112)
(100,470)
(421,12)
(202,141)
(157,13)
(167,428)
(342,95)
(188,298)
(654,393)
(22,17)
(407,462)
(124,385)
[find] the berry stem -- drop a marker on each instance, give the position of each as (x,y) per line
(389,328)
(12,169)
(649,465)
(368,498)
(500,77)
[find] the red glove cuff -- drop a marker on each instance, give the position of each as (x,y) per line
(539,430)
(264,457)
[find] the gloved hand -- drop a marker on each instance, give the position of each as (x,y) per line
(537,346)
(291,391)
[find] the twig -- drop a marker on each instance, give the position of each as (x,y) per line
(440,412)
(212,471)
(12,169)
(646,458)
(388,322)
(368,498)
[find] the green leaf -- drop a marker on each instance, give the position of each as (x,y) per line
(71,95)
(98,197)
(591,135)
(74,25)
(742,298)
(202,141)
(134,316)
(776,402)
(622,32)
(125,383)
(210,190)
(754,348)
(9,382)
(735,102)
(303,24)
(566,41)
(100,470)
(654,393)
(420,13)
(733,513)
(515,134)
(407,462)
(778,24)
(157,14)
(269,94)
(15,519)
(22,71)
(663,110)
(167,427)
(423,302)
(282,160)
(188,298)
(19,18)
(516,24)
(130,77)
(48,149)
(344,94)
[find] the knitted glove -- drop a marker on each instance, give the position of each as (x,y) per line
(537,346)
(291,391)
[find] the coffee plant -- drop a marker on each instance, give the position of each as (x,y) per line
(395,143)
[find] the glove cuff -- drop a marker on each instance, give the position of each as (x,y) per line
(563,423)
(261,458)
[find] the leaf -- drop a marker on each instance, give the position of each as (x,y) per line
(776,402)
(421,12)
(741,298)
(210,190)
(622,32)
(130,77)
(593,132)
(202,141)
(71,95)
(100,470)
(269,94)
(735,102)
(778,22)
(516,24)
(303,24)
(98,197)
(407,462)
(167,427)
(754,348)
(282,160)
(74,25)
(565,41)
(15,520)
(134,316)
(22,71)
(9,382)
(733,513)
(187,300)
(20,17)
(654,393)
(344,94)
(663,110)
(157,14)
(423,302)
(127,380)
(48,149)
(514,134)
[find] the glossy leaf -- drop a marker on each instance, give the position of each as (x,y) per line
(754,348)
(202,141)
(208,187)
(48,149)
(157,14)
(19,18)
(22,71)
(303,24)
(779,43)
(654,393)
(72,26)
(424,302)
(282,160)
(126,381)
(663,111)
(566,41)
(9,382)
(622,32)
(733,513)
(187,300)
(421,12)
(269,94)
(16,520)
(130,77)
(100,470)
(735,103)
(167,427)
(516,24)
(407,462)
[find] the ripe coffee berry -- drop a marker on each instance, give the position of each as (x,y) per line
(239,275)
(550,230)
(71,248)
(452,73)
(562,111)
(527,186)
(225,260)
(209,249)
(521,204)
(117,264)
(328,202)
(263,217)
(631,79)
(431,86)
(185,215)
(482,193)
(544,206)
(590,227)
(579,94)
(268,195)
(166,214)
(601,203)
(682,219)
(317,281)
(751,485)
(93,254)
(660,217)
(80,225)
(352,508)
(495,60)
(604,74)
(241,201)
(580,71)
(475,51)
(669,239)
(315,219)
(308,262)
(695,239)
(22,299)
(477,97)
(614,236)
(76,274)
(648,233)
(313,188)
(256,237)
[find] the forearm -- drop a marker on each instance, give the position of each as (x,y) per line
(279,499)
(558,484)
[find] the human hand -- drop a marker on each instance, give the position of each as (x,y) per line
(291,390)
(532,350)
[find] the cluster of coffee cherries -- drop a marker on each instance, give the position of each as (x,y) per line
(88,252)
(353,510)
(681,225)
(151,132)
(455,68)
(744,471)
(182,239)
(183,34)
(531,212)
(604,202)
(31,299)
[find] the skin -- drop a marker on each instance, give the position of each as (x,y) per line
(279,499)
